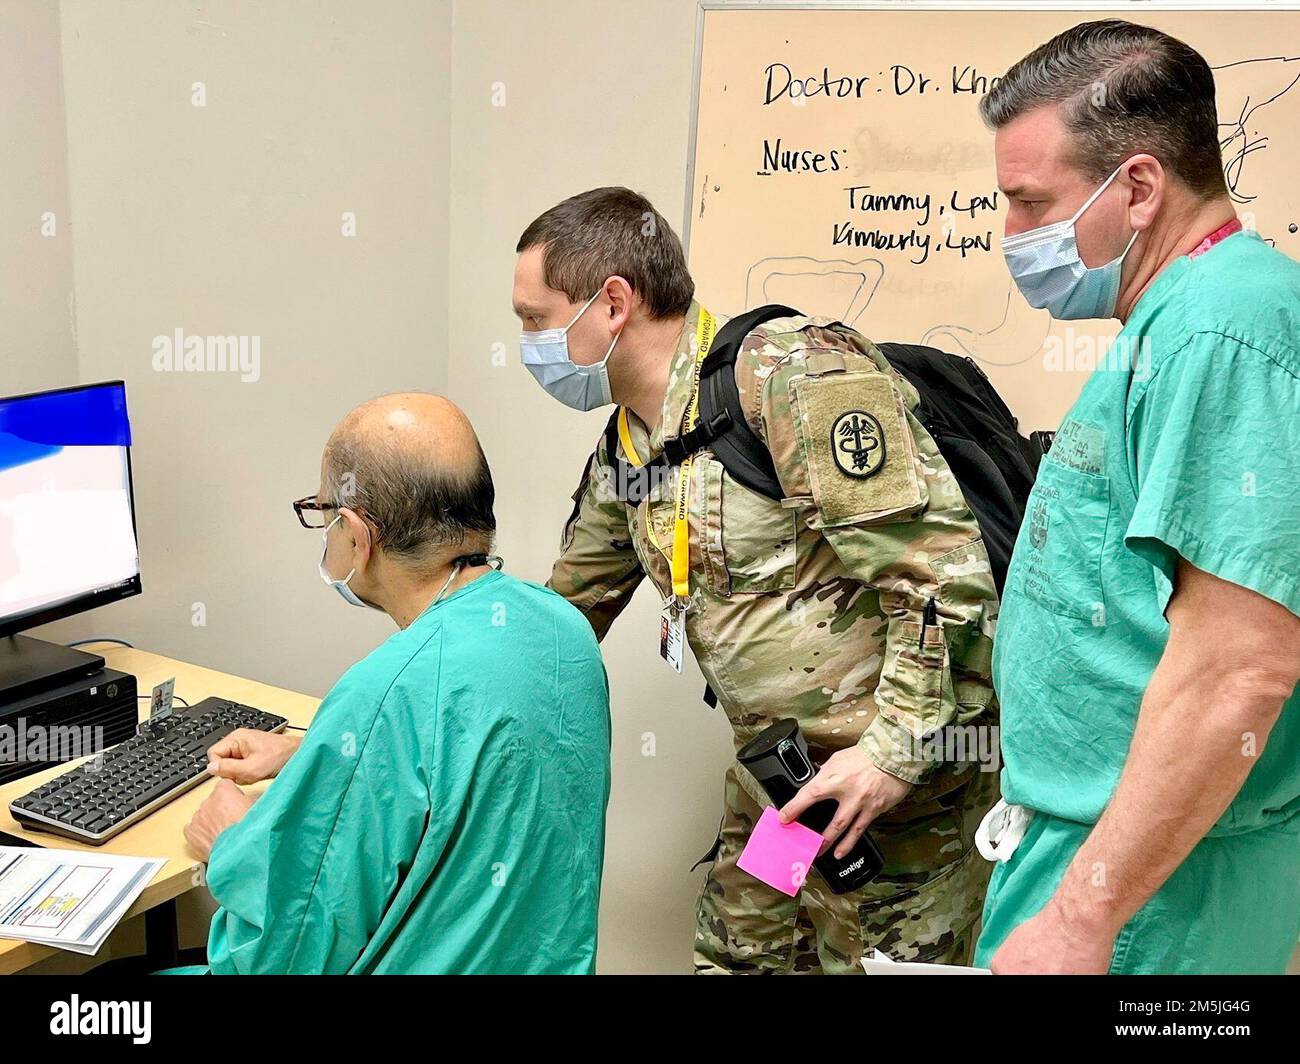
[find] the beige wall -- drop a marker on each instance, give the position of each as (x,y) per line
(227,220)
(599,96)
(37,342)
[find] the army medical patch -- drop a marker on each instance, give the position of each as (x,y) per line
(856,445)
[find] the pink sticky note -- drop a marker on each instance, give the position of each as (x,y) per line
(780,854)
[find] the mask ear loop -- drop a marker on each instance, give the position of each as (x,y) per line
(588,370)
(325,549)
(1091,199)
(1031,237)
(583,310)
(1100,189)
(604,361)
(336,520)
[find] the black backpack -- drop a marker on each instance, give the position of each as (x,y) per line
(977,435)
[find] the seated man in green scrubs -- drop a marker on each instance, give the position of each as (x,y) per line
(1148,647)
(445,811)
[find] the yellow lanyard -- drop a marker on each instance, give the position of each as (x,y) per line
(680,560)
(625,436)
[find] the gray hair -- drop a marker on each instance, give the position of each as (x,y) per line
(417,507)
(1124,89)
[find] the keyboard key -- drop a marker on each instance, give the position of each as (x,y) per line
(164,756)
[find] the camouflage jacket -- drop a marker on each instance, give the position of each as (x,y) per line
(812,607)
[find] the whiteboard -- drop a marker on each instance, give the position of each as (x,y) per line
(840,166)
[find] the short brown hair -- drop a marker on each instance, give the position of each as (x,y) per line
(610,232)
(1124,89)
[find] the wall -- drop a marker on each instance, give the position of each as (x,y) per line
(37,344)
(227,220)
(543,107)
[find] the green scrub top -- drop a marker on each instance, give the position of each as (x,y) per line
(1184,442)
(446,810)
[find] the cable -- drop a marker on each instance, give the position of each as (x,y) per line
(175,698)
(294,727)
(85,642)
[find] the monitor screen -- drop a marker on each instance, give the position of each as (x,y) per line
(67,518)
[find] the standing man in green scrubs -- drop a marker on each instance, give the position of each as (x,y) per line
(1149,645)
(445,812)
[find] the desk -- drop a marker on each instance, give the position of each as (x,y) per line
(160,833)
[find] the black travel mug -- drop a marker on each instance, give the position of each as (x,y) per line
(778,758)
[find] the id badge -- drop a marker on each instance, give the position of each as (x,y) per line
(672,634)
(160,703)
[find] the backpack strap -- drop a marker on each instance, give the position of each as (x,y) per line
(632,483)
(611,436)
(722,424)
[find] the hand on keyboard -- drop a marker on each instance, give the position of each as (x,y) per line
(95,800)
(247,756)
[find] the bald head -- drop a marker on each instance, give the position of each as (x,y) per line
(418,425)
(412,465)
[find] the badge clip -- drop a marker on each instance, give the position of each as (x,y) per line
(672,632)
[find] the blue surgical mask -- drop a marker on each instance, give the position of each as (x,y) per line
(546,354)
(1046,267)
(341,586)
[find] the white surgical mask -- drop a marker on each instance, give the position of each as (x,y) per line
(1046,267)
(341,586)
(546,354)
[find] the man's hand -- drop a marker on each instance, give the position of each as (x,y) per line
(247,756)
(226,805)
(1231,662)
(863,791)
(1050,944)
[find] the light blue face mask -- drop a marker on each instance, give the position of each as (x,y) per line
(341,586)
(1046,267)
(351,597)
(546,354)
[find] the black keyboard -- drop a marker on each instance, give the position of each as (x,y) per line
(111,791)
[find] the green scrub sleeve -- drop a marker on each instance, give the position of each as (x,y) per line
(304,879)
(1213,444)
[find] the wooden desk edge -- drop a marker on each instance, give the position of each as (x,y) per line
(178,875)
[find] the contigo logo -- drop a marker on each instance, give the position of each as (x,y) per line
(850,869)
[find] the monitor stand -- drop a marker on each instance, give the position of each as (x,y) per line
(29,665)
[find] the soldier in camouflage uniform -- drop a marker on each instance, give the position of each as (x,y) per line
(811,607)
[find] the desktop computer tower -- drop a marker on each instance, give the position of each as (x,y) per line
(82,716)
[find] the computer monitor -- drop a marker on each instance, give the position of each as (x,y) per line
(67,513)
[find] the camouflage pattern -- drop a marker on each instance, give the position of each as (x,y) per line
(814,608)
(923,907)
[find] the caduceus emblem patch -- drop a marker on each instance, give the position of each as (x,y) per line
(858,444)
